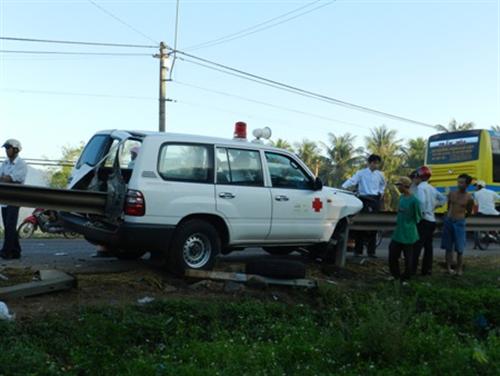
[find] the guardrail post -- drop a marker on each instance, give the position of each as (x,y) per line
(341,249)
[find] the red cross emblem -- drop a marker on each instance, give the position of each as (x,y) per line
(317,205)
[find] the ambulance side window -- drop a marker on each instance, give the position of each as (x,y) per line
(186,162)
(239,167)
(287,173)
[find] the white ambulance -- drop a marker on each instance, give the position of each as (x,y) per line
(191,197)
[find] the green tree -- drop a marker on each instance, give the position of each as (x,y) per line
(282,144)
(414,152)
(384,142)
(343,157)
(495,128)
(310,153)
(453,126)
(58,178)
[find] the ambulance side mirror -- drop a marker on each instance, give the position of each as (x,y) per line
(318,184)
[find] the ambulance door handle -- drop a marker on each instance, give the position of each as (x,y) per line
(281,198)
(226,195)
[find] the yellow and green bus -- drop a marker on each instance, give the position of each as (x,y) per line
(474,152)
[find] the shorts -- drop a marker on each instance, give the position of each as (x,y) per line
(454,236)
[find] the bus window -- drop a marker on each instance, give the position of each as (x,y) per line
(495,148)
(453,147)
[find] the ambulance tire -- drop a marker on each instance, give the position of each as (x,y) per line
(194,246)
(279,251)
(280,269)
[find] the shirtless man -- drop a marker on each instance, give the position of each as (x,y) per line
(460,204)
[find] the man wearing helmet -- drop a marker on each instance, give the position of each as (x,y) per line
(429,199)
(12,171)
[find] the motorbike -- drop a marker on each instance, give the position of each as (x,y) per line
(46,221)
(483,239)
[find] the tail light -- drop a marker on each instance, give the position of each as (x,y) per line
(134,203)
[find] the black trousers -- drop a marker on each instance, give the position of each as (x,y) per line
(11,245)
(395,250)
(371,204)
(426,233)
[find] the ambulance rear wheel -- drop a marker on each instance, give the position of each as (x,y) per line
(194,246)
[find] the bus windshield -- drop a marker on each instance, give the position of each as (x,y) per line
(453,147)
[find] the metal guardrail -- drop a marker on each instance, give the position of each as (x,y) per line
(95,203)
(386,221)
(57,199)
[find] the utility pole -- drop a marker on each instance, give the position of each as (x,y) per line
(163,87)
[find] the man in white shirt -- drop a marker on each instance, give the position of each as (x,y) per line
(12,171)
(370,184)
(485,199)
(429,199)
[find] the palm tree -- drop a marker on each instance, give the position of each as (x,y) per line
(495,128)
(384,142)
(282,144)
(414,152)
(309,152)
(342,158)
(453,126)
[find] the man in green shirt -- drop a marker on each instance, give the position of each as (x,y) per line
(406,234)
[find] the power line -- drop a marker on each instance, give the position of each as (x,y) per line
(82,43)
(68,93)
(282,86)
(257,28)
(270,105)
(248,76)
(176,35)
(73,53)
(116,18)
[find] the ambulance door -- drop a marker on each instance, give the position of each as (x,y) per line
(299,211)
(240,194)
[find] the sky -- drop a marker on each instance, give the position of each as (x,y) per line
(429,61)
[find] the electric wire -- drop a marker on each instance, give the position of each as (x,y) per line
(69,93)
(258,27)
(73,53)
(247,76)
(176,37)
(82,43)
(270,105)
(116,18)
(282,86)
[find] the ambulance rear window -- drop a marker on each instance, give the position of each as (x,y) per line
(94,150)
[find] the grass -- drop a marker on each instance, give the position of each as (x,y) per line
(438,325)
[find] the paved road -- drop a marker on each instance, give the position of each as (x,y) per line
(76,255)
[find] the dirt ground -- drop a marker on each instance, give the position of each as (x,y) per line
(128,287)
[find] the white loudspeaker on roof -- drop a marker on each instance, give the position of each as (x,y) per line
(264,133)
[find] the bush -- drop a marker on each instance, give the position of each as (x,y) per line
(387,330)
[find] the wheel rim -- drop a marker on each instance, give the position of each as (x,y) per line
(197,250)
(26,230)
(484,240)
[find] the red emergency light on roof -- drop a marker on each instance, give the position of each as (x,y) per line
(240,130)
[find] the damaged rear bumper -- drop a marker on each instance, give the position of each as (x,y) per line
(126,236)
